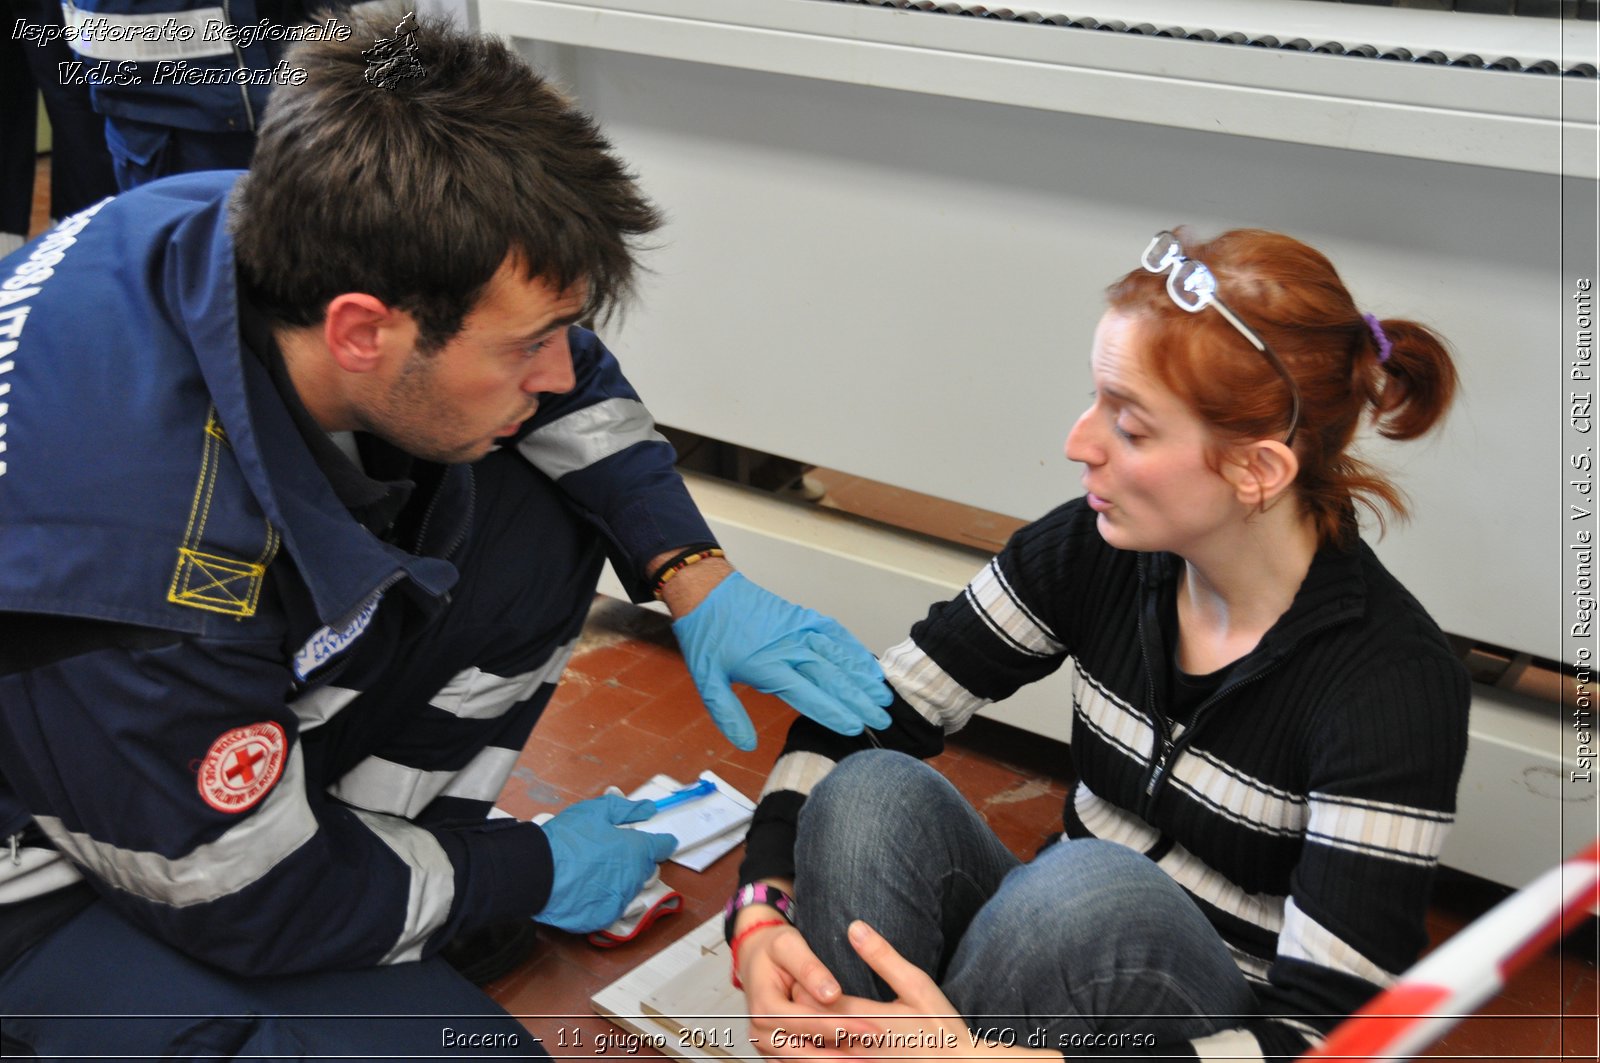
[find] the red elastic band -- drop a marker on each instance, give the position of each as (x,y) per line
(733,946)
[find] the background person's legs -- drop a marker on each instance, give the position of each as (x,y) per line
(80,163)
(142,152)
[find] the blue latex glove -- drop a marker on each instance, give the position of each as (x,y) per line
(742,633)
(599,867)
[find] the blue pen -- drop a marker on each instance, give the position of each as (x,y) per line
(688,793)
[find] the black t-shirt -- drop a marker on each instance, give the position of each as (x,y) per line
(1188,692)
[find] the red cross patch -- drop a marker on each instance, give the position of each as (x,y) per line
(242,765)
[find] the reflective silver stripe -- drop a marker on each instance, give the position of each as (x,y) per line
(172,35)
(380,785)
(320,706)
(33,873)
(474,694)
(433,882)
(485,777)
(147,38)
(245,854)
(584,437)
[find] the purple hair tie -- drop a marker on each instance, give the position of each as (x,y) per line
(1384,346)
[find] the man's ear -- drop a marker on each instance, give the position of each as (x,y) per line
(1261,471)
(362,331)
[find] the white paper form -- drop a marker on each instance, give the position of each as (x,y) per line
(706,827)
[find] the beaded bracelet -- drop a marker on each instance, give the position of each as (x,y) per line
(693,548)
(680,561)
(738,939)
(755,893)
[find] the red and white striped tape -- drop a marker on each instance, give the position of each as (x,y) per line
(1457,977)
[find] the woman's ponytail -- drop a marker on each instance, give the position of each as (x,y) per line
(1414,384)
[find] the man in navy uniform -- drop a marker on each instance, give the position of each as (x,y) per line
(183,84)
(307,479)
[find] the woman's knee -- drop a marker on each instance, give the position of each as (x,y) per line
(1093,929)
(1079,893)
(875,790)
(1101,874)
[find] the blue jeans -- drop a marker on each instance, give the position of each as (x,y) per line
(1090,938)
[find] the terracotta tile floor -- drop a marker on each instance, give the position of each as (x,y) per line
(627,710)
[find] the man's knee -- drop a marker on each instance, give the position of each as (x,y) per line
(529,546)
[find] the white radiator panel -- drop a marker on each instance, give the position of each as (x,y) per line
(904,287)
(1544,124)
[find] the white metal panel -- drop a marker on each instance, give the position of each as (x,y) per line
(1518,811)
(1517,121)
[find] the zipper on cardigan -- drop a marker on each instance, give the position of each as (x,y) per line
(1160,768)
(1162,749)
(1171,746)
(1166,748)
(1161,729)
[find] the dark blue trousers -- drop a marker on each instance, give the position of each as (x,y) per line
(80,164)
(101,986)
(142,152)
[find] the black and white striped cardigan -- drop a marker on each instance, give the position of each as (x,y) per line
(1303,807)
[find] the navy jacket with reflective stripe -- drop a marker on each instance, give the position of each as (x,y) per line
(152,476)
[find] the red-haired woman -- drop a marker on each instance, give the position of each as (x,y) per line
(1267,729)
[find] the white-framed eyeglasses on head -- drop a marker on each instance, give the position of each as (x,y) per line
(1193,287)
